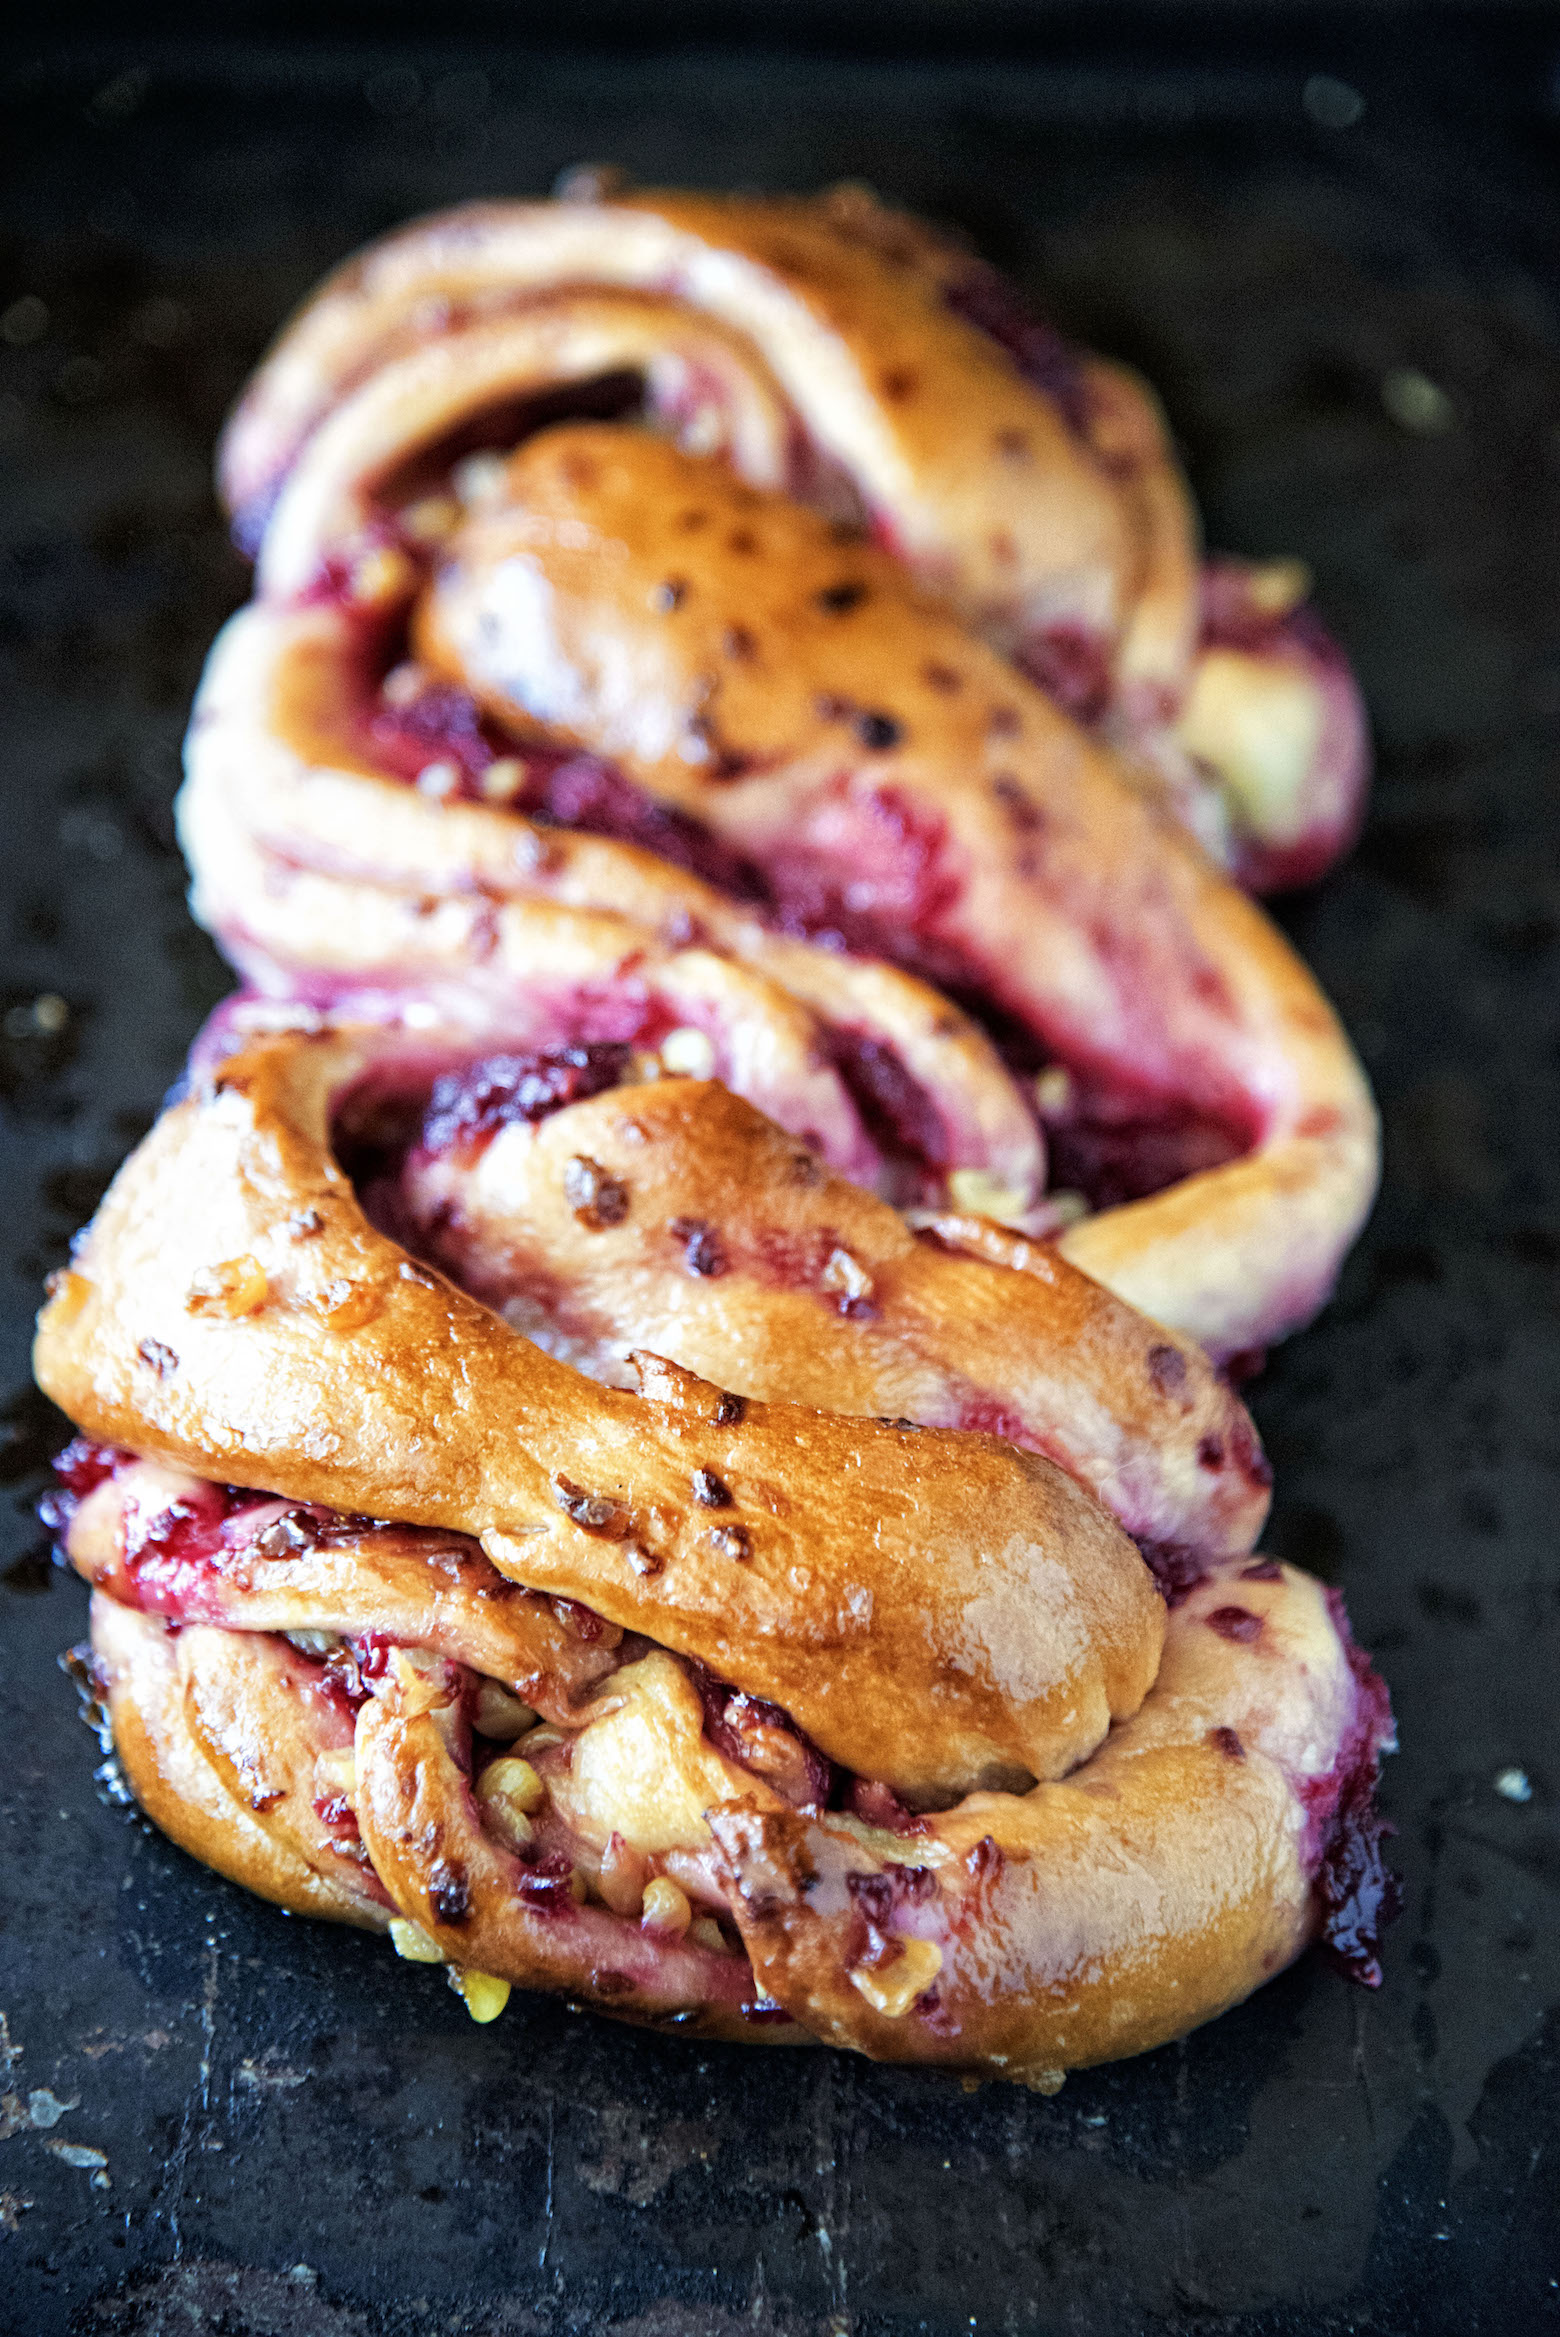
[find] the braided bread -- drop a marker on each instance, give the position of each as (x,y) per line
(873,367)
(895,1705)
(630,746)
(646,1414)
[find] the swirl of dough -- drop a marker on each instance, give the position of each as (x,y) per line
(866,363)
(827,805)
(723,1703)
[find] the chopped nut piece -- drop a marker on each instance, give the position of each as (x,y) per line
(1277,586)
(597,1198)
(68,1294)
(431,518)
(284,1537)
(500,1715)
(594,1513)
(413,1943)
(1067,1208)
(485,1995)
(237,1287)
(984,1196)
(703,432)
(502,781)
(381,577)
(316,1643)
(480,478)
(1054,1091)
(336,1772)
(688,1054)
(403,684)
(667,1910)
(845,1276)
(893,1989)
(707,1933)
(345,1305)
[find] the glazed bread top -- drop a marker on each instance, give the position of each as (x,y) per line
(1019,493)
(935,1609)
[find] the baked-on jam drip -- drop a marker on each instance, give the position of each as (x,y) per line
(1357,1891)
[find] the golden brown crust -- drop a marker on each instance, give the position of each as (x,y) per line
(1097,1917)
(220,1749)
(1090,920)
(1082,912)
(825,1297)
(868,365)
(1165,1869)
(983,481)
(930,1608)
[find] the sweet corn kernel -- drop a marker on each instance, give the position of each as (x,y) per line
(485,1996)
(516,1781)
(500,1715)
(893,1989)
(666,1908)
(411,1941)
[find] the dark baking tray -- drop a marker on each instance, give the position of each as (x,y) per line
(298,2135)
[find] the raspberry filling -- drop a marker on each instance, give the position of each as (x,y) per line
(468,1107)
(876,877)
(994,305)
(173,1558)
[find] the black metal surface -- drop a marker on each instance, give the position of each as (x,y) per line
(300,2135)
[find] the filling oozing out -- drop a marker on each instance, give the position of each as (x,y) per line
(594,1767)
(1107,1142)
(592,1772)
